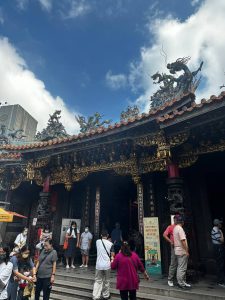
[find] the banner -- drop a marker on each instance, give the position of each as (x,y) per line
(152,246)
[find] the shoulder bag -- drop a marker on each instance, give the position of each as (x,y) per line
(106,249)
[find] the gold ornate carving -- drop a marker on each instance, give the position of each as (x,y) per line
(187,161)
(178,139)
(30,171)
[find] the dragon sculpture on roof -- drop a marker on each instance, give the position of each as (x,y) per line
(173,86)
(91,122)
(54,129)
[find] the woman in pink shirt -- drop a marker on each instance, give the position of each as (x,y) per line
(127,264)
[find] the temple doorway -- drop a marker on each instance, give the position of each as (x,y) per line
(118,204)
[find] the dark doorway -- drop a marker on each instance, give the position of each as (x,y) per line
(118,203)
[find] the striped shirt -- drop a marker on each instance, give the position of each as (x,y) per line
(216,236)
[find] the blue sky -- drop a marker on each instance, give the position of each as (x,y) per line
(88,54)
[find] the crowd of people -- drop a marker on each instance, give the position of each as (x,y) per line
(22,278)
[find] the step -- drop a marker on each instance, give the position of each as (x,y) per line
(85,282)
(69,294)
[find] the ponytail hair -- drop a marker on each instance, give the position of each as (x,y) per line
(125,249)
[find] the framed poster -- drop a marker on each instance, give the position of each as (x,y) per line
(152,246)
(65,225)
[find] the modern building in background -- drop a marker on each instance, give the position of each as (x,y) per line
(15,117)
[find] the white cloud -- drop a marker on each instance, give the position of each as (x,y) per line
(18,85)
(195,2)
(77,8)
(117,81)
(22,4)
(46,4)
(200,36)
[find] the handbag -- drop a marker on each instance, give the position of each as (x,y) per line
(138,277)
(65,244)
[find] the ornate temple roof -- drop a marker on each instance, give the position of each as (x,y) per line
(167,112)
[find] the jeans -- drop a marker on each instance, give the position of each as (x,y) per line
(43,284)
(12,289)
(219,253)
(101,285)
(124,295)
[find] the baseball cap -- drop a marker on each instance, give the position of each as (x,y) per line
(217,222)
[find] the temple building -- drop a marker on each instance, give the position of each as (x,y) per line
(153,164)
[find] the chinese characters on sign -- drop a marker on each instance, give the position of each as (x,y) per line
(97,211)
(87,207)
(140,207)
(152,246)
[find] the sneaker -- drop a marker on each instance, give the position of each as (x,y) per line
(73,267)
(82,266)
(170,283)
(183,287)
(86,266)
(67,266)
(187,285)
(221,285)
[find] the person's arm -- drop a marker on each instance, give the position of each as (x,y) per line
(21,276)
(166,236)
(141,267)
(53,272)
(114,262)
(89,243)
(78,239)
(185,246)
(112,251)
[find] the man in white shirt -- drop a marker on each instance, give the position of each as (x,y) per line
(5,272)
(103,267)
(181,251)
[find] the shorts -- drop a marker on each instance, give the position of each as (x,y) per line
(84,252)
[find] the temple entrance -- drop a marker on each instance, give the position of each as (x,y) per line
(216,187)
(118,204)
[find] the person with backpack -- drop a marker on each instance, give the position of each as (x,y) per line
(127,263)
(46,269)
(5,272)
(73,236)
(102,273)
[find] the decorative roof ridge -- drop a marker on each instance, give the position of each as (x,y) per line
(170,103)
(194,106)
(111,127)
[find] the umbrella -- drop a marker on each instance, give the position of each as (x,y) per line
(7,216)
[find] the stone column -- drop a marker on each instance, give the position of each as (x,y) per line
(140,207)
(175,190)
(97,212)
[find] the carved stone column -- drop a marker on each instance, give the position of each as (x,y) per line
(140,197)
(175,190)
(97,212)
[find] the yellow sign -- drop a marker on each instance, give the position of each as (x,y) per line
(152,246)
(5,216)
